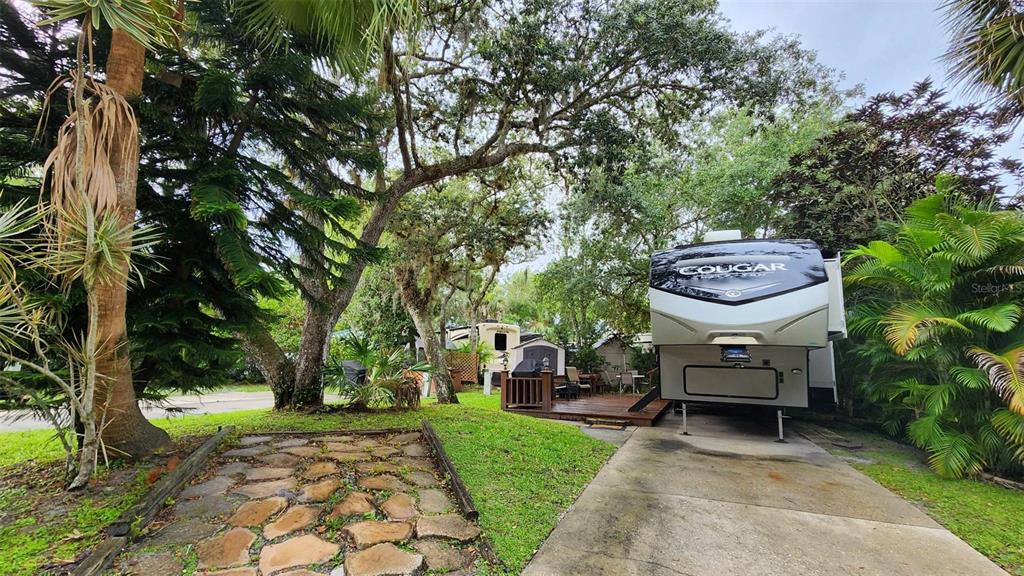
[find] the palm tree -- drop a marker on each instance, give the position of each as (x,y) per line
(987,47)
(938,317)
(353,30)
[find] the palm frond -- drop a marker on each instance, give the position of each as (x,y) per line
(904,325)
(1005,373)
(152,23)
(987,47)
(997,318)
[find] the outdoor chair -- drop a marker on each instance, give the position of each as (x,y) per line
(573,375)
(567,389)
(626,379)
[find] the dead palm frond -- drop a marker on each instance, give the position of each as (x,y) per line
(1005,374)
(105,116)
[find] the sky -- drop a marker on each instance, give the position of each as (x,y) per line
(886,45)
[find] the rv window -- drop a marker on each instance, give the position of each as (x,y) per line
(500,342)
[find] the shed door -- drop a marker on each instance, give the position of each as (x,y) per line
(538,353)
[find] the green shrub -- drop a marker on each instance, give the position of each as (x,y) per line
(936,319)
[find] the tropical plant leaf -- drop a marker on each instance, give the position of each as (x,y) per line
(971,378)
(1005,373)
(904,324)
(152,23)
(1009,424)
(997,318)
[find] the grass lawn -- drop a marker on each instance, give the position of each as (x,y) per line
(522,472)
(988,517)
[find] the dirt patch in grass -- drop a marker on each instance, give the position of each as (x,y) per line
(44,529)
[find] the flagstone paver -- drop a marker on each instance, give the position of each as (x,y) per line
(342,447)
(150,564)
(399,507)
(450,526)
(213,486)
(226,550)
(203,508)
(319,470)
(250,440)
(296,518)
(434,501)
(414,450)
(333,439)
(291,443)
(248,452)
(355,504)
(376,467)
(383,452)
(232,468)
(442,556)
(267,473)
(320,491)
(414,463)
(383,560)
(281,460)
(370,532)
(366,444)
(256,512)
(406,438)
(303,451)
(348,456)
(183,531)
(273,516)
(246,571)
(383,482)
(298,551)
(265,489)
(422,478)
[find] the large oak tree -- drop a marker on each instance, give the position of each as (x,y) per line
(479,83)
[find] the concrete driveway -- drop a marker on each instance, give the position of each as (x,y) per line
(727,500)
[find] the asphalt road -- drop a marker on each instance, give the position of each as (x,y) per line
(727,500)
(14,420)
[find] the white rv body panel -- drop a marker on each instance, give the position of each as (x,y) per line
(680,320)
(775,376)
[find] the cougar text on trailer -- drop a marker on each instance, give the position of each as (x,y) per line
(746,321)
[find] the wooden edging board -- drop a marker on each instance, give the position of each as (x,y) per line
(134,519)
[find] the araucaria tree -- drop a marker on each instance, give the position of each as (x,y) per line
(478,83)
(938,322)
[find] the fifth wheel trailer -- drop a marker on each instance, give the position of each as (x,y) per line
(746,321)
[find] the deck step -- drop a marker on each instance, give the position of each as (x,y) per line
(607,423)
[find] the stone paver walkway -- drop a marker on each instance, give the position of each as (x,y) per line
(308,505)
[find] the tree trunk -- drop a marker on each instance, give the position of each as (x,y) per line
(124,429)
(277,369)
(432,348)
(316,337)
(418,303)
(317,326)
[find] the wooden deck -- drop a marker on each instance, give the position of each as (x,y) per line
(601,407)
